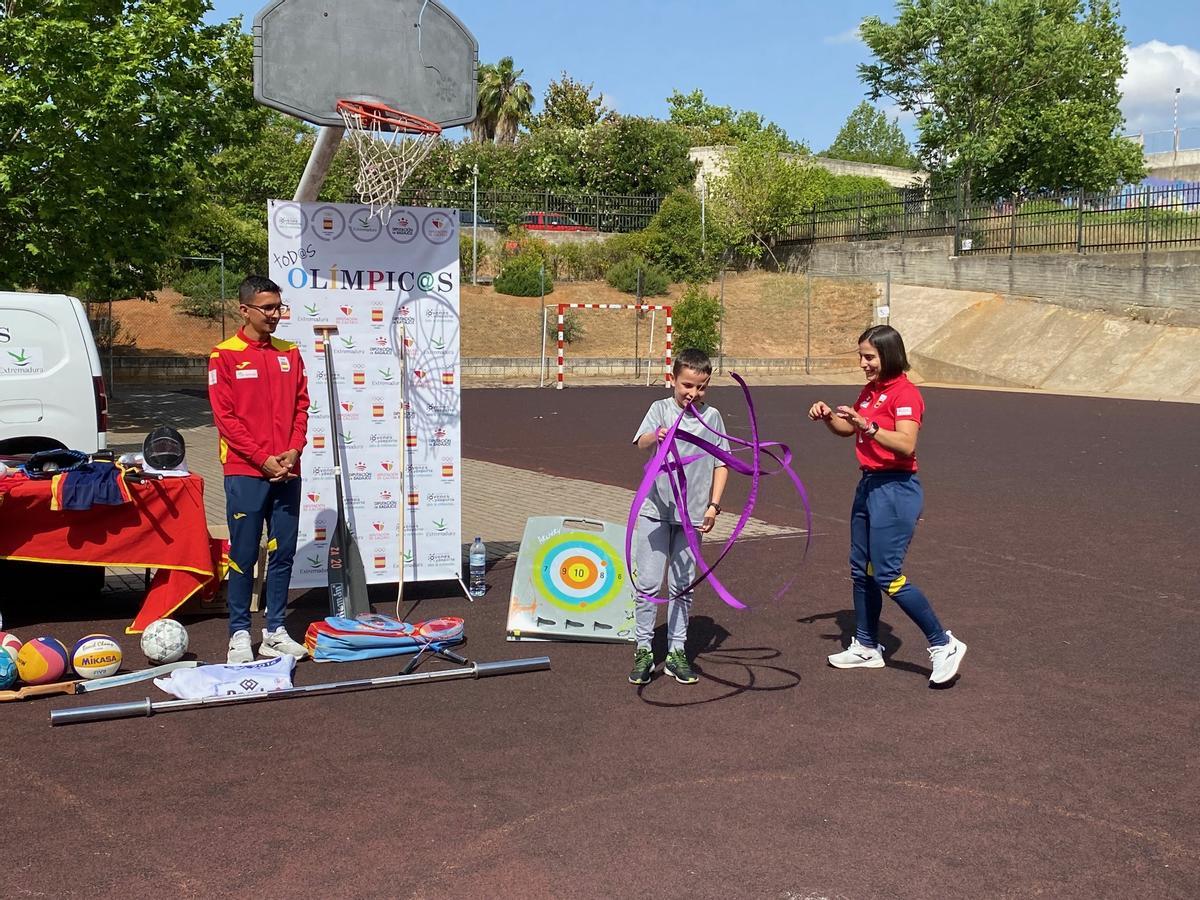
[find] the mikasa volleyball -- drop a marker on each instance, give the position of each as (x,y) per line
(96,656)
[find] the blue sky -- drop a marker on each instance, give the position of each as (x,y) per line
(792,61)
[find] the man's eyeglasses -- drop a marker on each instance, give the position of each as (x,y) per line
(271,310)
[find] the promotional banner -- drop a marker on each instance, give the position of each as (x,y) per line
(370,276)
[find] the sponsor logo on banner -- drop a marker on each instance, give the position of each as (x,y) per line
(441,499)
(347,340)
(312,502)
(404,316)
(387,376)
(439,526)
(436,558)
(410,439)
(376,316)
(382,440)
(385,499)
(319,347)
(287,219)
(447,378)
(347,439)
(447,470)
(390,471)
(438,228)
(401,228)
(360,378)
(321,472)
(378,411)
(347,411)
(346,316)
(364,226)
(380,562)
(414,498)
(318,442)
(328,223)
(319,534)
(419,470)
(441,409)
(439,438)
(312,564)
(360,473)
(419,374)
(439,314)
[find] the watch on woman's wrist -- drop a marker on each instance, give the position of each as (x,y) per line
(870,430)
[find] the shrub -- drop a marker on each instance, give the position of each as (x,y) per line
(676,241)
(624,277)
(572,327)
(696,319)
(521,276)
(201,291)
(469,252)
(621,247)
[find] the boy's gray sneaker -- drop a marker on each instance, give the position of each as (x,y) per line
(239,649)
(643,666)
(678,666)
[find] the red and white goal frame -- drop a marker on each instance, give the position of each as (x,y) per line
(641,307)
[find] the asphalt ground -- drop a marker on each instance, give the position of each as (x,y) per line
(1058,542)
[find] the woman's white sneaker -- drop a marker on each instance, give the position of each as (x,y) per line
(946,659)
(858,656)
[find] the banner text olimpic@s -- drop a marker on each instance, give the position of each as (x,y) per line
(339,265)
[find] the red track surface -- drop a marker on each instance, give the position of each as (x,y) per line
(1058,542)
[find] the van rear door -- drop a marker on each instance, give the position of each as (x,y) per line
(51,389)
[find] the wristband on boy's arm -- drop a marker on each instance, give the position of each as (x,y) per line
(717,507)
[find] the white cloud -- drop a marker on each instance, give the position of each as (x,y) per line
(1153,71)
(849,36)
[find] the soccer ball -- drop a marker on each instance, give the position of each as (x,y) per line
(164,641)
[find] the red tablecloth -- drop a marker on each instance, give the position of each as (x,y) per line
(164,528)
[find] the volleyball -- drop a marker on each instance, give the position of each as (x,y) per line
(8,672)
(11,643)
(96,656)
(164,641)
(42,661)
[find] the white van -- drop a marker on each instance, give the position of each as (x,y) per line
(51,388)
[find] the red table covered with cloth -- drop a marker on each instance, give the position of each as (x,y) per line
(163,527)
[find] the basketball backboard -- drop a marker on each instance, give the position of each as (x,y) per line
(413,55)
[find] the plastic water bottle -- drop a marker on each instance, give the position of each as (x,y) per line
(478,560)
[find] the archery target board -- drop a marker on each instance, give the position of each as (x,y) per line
(570,582)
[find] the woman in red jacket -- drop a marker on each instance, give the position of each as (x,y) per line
(885,421)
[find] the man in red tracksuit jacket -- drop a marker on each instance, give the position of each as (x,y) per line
(259,397)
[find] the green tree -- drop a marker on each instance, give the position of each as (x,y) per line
(505,101)
(569,104)
(110,111)
(696,320)
(713,124)
(677,240)
(759,191)
(1010,95)
(868,136)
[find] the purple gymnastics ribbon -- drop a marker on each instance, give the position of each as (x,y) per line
(670,460)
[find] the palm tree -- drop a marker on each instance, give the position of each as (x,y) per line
(505,101)
(482,129)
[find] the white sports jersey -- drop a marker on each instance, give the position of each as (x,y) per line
(256,677)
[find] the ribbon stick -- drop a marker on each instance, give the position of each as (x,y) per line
(670,460)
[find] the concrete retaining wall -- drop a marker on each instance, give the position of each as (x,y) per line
(1161,286)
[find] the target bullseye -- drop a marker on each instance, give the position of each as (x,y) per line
(578,571)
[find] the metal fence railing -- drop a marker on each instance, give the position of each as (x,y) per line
(592,212)
(1149,216)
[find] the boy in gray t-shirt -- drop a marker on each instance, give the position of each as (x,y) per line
(660,546)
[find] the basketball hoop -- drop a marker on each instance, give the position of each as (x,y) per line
(390,145)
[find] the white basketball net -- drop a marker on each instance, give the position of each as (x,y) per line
(385,160)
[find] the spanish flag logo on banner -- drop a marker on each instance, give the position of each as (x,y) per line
(376,316)
(360,378)
(319,347)
(318,534)
(414,498)
(447,470)
(410,440)
(447,378)
(380,561)
(376,410)
(318,442)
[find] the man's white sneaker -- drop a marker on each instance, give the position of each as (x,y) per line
(239,649)
(279,643)
(946,659)
(858,656)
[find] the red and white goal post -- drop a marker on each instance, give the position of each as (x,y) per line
(641,307)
